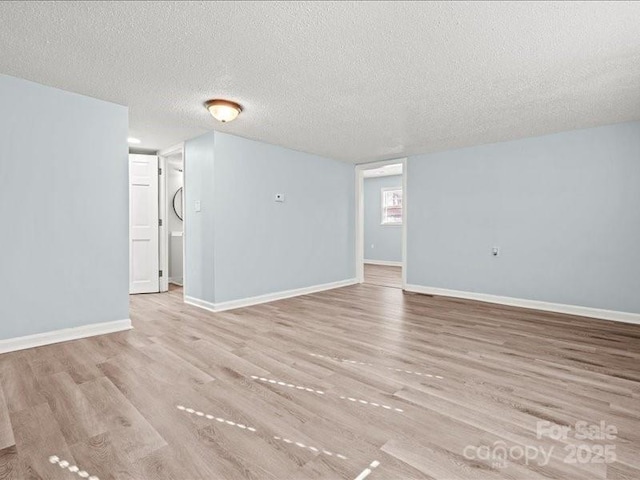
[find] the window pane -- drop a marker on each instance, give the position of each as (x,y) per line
(391,206)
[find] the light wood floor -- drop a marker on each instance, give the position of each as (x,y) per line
(383,275)
(372,358)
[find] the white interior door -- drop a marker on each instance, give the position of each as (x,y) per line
(144,275)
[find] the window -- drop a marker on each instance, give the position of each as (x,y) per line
(391,206)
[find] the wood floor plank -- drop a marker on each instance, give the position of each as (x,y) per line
(18,382)
(383,275)
(9,464)
(132,437)
(76,416)
(38,436)
(164,464)
(157,401)
(6,430)
(100,457)
(622,472)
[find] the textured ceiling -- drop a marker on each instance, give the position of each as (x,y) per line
(356,81)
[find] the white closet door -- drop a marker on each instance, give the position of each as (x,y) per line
(144,275)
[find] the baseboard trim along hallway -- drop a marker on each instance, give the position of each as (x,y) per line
(613,315)
(386,263)
(269,297)
(63,335)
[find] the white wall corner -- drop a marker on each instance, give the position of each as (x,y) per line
(63,335)
(597,313)
(196,302)
(269,297)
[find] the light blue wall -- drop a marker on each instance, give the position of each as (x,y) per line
(563,208)
(261,246)
(198,177)
(386,239)
(64,210)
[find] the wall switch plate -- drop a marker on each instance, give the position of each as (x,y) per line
(197,206)
(279,197)
(495,251)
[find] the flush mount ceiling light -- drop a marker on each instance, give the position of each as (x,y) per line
(223,110)
(133,141)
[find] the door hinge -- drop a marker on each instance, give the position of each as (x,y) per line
(159,222)
(160,273)
(159,170)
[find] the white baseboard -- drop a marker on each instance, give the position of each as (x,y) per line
(196,302)
(269,297)
(176,281)
(387,263)
(531,304)
(63,335)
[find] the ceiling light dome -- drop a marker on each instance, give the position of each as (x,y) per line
(223,110)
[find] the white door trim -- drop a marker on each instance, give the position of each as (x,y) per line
(164,212)
(359,178)
(163,244)
(167,152)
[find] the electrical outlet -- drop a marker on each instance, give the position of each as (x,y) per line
(197,206)
(495,251)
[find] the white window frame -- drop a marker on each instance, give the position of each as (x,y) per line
(382,206)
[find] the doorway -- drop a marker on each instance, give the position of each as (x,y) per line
(172,236)
(381,223)
(156,222)
(175,189)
